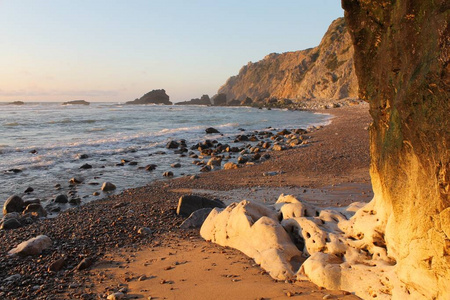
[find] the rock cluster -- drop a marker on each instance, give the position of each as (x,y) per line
(204,100)
(17,213)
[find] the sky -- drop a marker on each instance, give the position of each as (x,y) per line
(118,50)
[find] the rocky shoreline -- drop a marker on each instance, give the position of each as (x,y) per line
(147,216)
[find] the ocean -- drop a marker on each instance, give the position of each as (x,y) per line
(44,141)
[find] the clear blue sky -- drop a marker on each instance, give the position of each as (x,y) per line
(117,50)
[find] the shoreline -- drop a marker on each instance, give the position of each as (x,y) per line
(336,158)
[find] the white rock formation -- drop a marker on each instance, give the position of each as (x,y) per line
(345,247)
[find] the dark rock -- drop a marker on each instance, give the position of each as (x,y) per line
(204,100)
(205,169)
(176,165)
(10,224)
(211,130)
(56,265)
(15,171)
(132,163)
(284,132)
(30,201)
(13,204)
(172,145)
(34,151)
(75,201)
(187,204)
(242,160)
(150,167)
(153,97)
(85,263)
(53,207)
(82,156)
(168,174)
(108,186)
(75,180)
(29,190)
(219,100)
(36,210)
(61,199)
(196,219)
(86,166)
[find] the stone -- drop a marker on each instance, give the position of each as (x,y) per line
(13,278)
(230,166)
(85,263)
(10,223)
(36,210)
(278,147)
(33,246)
(13,204)
(56,265)
(187,204)
(172,145)
(196,219)
(116,296)
(82,156)
(214,162)
(29,190)
(61,199)
(205,169)
(168,174)
(86,166)
(108,187)
(75,180)
(176,165)
(144,231)
(242,160)
(211,130)
(150,167)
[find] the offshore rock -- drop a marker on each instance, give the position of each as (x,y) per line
(153,97)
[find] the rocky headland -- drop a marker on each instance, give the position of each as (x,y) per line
(153,97)
(322,74)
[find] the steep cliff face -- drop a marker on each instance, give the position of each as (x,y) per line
(402,62)
(324,72)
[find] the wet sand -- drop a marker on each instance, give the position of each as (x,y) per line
(332,170)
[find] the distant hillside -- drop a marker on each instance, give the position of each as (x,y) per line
(323,72)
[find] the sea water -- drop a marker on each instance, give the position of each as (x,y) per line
(44,141)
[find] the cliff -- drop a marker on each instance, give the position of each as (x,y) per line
(153,97)
(402,63)
(323,72)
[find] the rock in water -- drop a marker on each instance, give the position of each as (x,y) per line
(61,199)
(33,246)
(153,97)
(211,130)
(190,203)
(108,186)
(13,204)
(36,210)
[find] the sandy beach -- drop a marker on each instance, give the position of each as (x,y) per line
(170,263)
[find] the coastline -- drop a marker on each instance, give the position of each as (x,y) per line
(331,170)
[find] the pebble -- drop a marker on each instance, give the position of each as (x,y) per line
(116,296)
(327,296)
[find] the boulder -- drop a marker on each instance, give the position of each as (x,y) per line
(10,223)
(36,210)
(75,180)
(150,167)
(108,186)
(85,263)
(211,130)
(230,166)
(176,165)
(13,204)
(168,174)
(172,145)
(196,219)
(56,265)
(86,166)
(61,199)
(32,246)
(187,204)
(214,161)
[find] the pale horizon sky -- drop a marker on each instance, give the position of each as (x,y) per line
(103,50)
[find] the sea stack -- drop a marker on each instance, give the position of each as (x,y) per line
(153,97)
